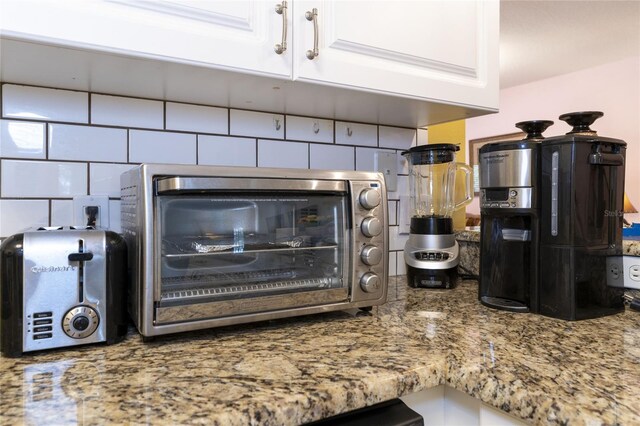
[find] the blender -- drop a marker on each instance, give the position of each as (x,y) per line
(431,253)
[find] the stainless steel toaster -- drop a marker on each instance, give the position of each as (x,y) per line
(61,286)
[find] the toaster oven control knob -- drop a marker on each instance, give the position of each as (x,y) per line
(371,255)
(80,322)
(369,198)
(370,282)
(371,226)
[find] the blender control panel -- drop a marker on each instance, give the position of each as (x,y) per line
(506,198)
(432,255)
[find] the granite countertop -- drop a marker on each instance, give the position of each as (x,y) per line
(303,369)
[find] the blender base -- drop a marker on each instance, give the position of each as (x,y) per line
(432,278)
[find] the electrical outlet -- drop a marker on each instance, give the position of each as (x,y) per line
(614,271)
(387,164)
(634,272)
(80,214)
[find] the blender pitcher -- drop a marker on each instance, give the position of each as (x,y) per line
(431,253)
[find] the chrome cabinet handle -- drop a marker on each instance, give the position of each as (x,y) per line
(281,9)
(313,16)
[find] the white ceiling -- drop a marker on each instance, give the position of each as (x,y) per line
(544,38)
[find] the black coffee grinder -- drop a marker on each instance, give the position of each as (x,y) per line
(580,220)
(431,253)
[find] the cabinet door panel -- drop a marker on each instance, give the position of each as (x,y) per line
(235,35)
(441,50)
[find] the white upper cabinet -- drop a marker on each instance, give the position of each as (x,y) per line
(232,35)
(411,62)
(440,50)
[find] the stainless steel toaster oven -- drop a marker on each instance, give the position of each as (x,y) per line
(212,246)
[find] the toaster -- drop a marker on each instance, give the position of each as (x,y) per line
(60,287)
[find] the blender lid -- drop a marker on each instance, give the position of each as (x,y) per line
(432,154)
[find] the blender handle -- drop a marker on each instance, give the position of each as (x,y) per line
(468,186)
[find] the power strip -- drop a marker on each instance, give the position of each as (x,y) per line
(623,271)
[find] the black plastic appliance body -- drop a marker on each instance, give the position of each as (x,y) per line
(23,329)
(581,221)
(510,221)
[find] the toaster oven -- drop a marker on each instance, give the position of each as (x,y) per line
(212,246)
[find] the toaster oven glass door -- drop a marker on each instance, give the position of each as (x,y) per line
(231,253)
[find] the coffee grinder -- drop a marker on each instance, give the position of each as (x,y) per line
(582,196)
(431,253)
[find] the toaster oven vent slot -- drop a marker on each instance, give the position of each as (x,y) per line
(311,283)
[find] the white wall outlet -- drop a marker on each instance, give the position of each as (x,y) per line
(80,215)
(623,271)
(387,164)
(634,272)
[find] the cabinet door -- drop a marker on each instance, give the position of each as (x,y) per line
(234,35)
(437,50)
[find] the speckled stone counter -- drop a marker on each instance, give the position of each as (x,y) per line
(299,370)
(631,247)
(469,245)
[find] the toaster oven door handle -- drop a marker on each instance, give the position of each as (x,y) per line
(175,185)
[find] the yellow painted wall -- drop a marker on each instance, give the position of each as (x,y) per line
(453,132)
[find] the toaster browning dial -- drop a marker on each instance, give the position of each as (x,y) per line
(80,322)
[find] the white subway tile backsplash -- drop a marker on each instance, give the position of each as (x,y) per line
(17,215)
(401,266)
(226,151)
(62,213)
(197,118)
(258,124)
(356,134)
(43,179)
(392,266)
(403,164)
(331,157)
(309,129)
(36,103)
(127,112)
(365,158)
(392,212)
(397,240)
(403,188)
(69,142)
(161,147)
(283,154)
(114,216)
(104,179)
(422,137)
(22,139)
(397,137)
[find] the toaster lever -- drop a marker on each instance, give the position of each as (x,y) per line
(80,257)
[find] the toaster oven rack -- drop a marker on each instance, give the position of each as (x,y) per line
(249,289)
(247,250)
